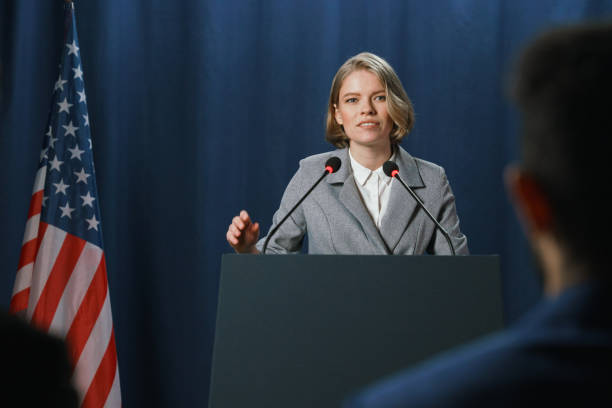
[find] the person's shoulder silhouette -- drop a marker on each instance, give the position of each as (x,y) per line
(36,368)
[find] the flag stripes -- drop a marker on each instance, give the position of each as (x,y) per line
(29,250)
(76,289)
(64,264)
(19,301)
(114,395)
(87,315)
(92,355)
(104,377)
(50,246)
(73,296)
(28,253)
(31,230)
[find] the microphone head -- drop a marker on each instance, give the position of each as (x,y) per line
(332,164)
(390,168)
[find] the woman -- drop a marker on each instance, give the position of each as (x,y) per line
(358,209)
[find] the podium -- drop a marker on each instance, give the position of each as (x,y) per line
(306,330)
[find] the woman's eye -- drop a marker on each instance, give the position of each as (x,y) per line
(381,98)
(351,100)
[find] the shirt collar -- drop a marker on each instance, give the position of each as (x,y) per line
(362,173)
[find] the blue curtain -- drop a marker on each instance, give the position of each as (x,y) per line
(201,108)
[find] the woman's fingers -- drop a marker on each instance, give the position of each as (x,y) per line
(234,230)
(242,234)
(245,216)
(238,222)
(231,238)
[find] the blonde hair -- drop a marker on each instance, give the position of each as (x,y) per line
(398,104)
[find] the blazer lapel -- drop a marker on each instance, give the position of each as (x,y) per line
(402,207)
(351,199)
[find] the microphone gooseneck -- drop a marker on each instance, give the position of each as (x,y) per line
(392,170)
(331,166)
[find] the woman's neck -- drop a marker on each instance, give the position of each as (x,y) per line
(371,157)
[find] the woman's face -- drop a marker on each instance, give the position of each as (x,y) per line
(362,110)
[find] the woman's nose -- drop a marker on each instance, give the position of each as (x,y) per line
(367,107)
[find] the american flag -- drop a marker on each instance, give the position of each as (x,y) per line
(61,284)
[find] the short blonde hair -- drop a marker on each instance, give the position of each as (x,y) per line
(398,104)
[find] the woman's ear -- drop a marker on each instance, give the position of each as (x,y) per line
(337,114)
(529,200)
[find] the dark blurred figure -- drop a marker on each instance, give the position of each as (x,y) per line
(35,367)
(560,353)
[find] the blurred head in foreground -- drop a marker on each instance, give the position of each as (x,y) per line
(563,88)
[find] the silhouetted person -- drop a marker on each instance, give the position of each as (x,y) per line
(35,367)
(560,353)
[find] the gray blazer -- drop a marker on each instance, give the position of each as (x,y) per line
(338,222)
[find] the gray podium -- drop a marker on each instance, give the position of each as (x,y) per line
(306,330)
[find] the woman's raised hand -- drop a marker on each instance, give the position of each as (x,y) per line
(242,234)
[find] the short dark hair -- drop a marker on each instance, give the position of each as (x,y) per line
(563,87)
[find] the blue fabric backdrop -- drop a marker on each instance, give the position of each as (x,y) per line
(201,108)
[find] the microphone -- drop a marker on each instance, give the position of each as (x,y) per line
(331,166)
(391,170)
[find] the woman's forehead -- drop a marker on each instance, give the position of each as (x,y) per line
(361,80)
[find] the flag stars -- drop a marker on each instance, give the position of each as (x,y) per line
(44,200)
(72,48)
(86,117)
(66,211)
(82,97)
(70,129)
(64,106)
(76,152)
(61,187)
(81,176)
(88,200)
(59,84)
(43,154)
(52,141)
(93,223)
(78,73)
(55,164)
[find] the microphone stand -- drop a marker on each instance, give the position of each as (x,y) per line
(395,174)
(332,165)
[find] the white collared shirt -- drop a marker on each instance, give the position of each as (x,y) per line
(374,186)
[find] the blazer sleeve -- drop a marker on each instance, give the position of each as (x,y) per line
(447,217)
(290,236)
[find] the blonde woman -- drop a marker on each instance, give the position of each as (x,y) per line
(358,209)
